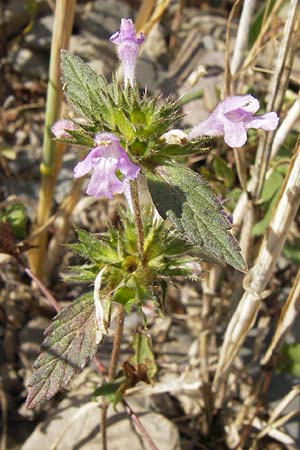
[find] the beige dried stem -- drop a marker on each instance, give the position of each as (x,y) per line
(286,125)
(257,279)
(52,152)
(287,317)
(259,42)
(161,6)
(276,93)
(276,420)
(241,44)
(144,14)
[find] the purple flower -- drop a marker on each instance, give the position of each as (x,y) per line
(128,46)
(61,127)
(110,165)
(232,118)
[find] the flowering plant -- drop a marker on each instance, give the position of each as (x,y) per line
(128,138)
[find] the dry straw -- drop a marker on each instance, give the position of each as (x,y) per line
(52,152)
(257,280)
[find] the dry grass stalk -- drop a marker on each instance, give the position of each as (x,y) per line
(277,90)
(276,420)
(275,434)
(52,153)
(160,8)
(287,317)
(257,46)
(257,279)
(246,238)
(242,35)
(287,399)
(144,14)
(287,124)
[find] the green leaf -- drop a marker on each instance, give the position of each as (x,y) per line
(272,185)
(111,391)
(15,215)
(261,226)
(186,199)
(269,196)
(258,20)
(143,359)
(69,345)
(124,294)
(93,248)
(289,360)
(84,88)
(223,171)
(291,250)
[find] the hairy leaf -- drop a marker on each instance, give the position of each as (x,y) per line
(84,88)
(69,345)
(186,199)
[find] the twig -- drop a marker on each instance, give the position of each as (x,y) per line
(256,281)
(44,290)
(103,419)
(139,424)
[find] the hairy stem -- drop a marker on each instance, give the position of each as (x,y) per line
(138,219)
(112,370)
(117,343)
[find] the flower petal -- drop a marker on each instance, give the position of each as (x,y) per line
(235,134)
(210,127)
(246,103)
(107,185)
(268,121)
(84,166)
(128,46)
(127,33)
(128,169)
(61,127)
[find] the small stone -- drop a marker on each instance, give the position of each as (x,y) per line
(30,63)
(16,16)
(75,424)
(40,36)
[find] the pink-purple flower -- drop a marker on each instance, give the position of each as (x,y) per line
(111,168)
(61,127)
(232,118)
(128,44)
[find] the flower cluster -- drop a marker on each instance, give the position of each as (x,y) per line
(109,163)
(111,168)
